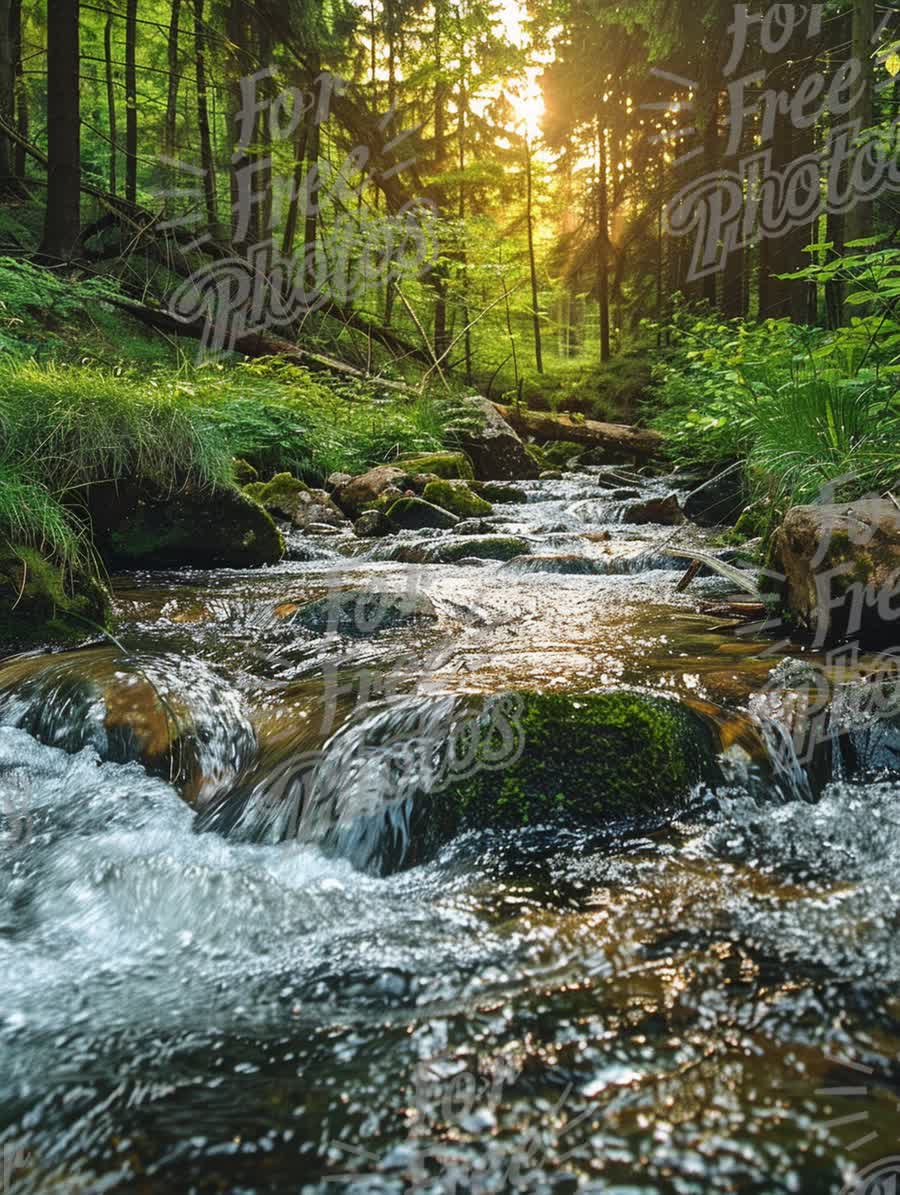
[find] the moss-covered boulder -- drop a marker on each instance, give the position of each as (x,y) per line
(42,602)
(484,547)
(447,465)
(415,514)
(244,473)
(458,498)
(536,454)
(355,495)
(594,759)
(285,496)
(498,491)
(138,526)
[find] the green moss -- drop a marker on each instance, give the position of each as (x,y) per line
(498,491)
(40,603)
(278,495)
(456,497)
(244,473)
(447,465)
(414,514)
(483,547)
(537,455)
(558,453)
(593,759)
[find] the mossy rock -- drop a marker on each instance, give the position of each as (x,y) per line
(244,473)
(456,497)
(136,526)
(278,496)
(41,603)
(448,465)
(559,453)
(361,613)
(498,491)
(594,759)
(483,547)
(415,514)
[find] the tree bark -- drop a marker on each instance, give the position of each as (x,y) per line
(172,89)
(206,156)
(21,92)
(7,92)
(535,314)
(62,223)
(860,217)
(110,105)
(131,101)
(603,243)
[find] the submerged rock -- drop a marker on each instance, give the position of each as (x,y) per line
(841,566)
(137,525)
(42,602)
(414,514)
(494,448)
(360,612)
(655,510)
(577,566)
(456,497)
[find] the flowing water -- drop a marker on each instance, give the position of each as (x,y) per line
(221,971)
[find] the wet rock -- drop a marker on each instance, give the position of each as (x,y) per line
(323,528)
(594,759)
(456,497)
(571,565)
(621,495)
(355,495)
(334,481)
(496,491)
(841,564)
(420,480)
(487,547)
(372,523)
(446,465)
(414,514)
(494,448)
(717,501)
(137,525)
(288,497)
(665,511)
(173,714)
(41,602)
(362,612)
(475,527)
(550,475)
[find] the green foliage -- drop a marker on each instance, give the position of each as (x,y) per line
(802,406)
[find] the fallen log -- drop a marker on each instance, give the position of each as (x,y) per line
(617,438)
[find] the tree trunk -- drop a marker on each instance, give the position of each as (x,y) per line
(21,93)
(859,217)
(236,30)
(110,105)
(535,314)
(206,156)
(439,273)
(130,102)
(7,92)
(172,90)
(62,223)
(311,189)
(603,238)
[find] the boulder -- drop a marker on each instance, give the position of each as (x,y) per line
(475,527)
(287,497)
(42,602)
(448,465)
(371,524)
(137,525)
(355,495)
(335,480)
(569,565)
(841,569)
(494,448)
(244,473)
(456,497)
(665,511)
(485,547)
(415,514)
(496,491)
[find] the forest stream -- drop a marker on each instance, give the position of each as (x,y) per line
(228,970)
